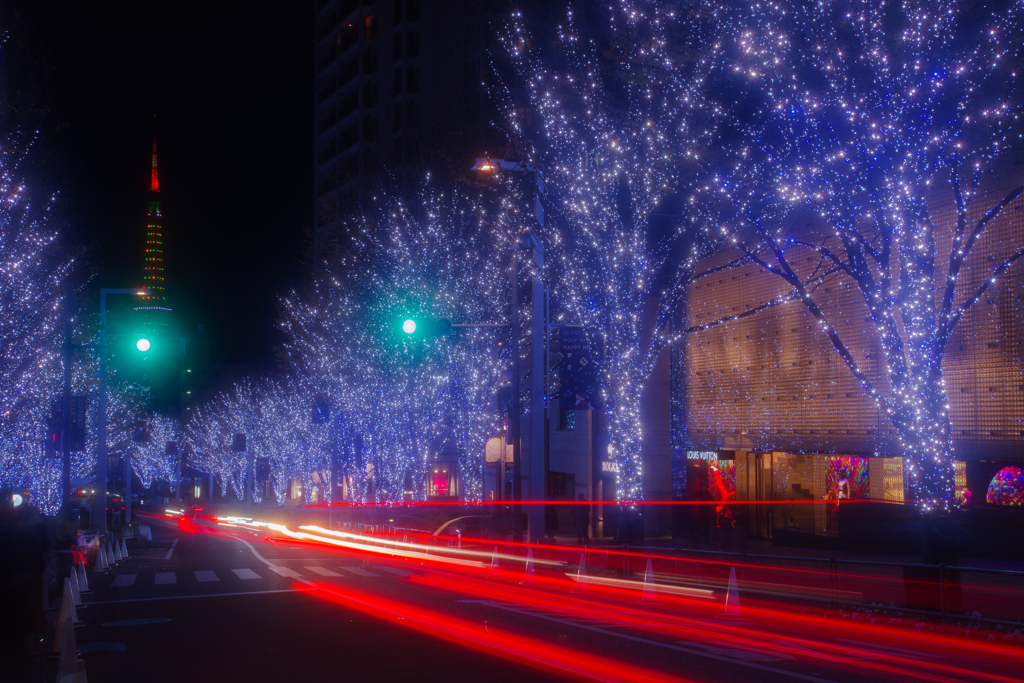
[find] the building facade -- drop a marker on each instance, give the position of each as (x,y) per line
(769,411)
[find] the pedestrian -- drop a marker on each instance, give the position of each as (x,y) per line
(966,499)
(581,520)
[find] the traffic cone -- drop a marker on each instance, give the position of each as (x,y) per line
(73,582)
(530,576)
(67,611)
(124,549)
(70,669)
(650,589)
(83,581)
(732,596)
(495,569)
(581,575)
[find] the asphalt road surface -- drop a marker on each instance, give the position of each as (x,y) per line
(230,604)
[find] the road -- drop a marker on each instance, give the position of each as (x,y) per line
(218,602)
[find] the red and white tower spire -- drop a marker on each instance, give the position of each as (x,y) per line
(153,265)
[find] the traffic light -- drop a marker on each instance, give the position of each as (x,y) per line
(415,326)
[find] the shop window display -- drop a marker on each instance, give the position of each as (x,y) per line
(960,473)
(1007,487)
(710,480)
(846,479)
(438,480)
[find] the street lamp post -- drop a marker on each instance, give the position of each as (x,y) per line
(538,473)
(100,502)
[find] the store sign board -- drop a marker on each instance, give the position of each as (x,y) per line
(609,466)
(702,455)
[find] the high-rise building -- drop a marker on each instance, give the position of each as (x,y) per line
(154,310)
(401,84)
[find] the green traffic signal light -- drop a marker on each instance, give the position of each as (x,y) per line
(143,345)
(425,327)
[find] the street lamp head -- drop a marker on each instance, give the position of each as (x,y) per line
(487,165)
(143,345)
(409,326)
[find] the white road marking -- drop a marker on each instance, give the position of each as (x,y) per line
(284,571)
(323,571)
(171,550)
(360,572)
(204,576)
(165,577)
(123,581)
(246,574)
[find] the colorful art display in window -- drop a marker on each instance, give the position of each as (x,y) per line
(846,478)
(722,486)
(1007,487)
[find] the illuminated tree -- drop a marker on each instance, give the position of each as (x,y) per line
(33,275)
(405,396)
(150,459)
(34,272)
(880,130)
(615,140)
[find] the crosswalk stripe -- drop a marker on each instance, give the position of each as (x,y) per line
(123,581)
(284,571)
(359,571)
(323,571)
(206,575)
(246,574)
(165,577)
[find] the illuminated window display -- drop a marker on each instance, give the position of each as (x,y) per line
(1007,487)
(711,476)
(440,482)
(791,482)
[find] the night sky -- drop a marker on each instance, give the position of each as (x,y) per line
(232,92)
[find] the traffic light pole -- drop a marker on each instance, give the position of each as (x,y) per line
(100,501)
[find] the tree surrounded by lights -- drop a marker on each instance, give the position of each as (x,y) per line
(615,138)
(871,121)
(406,395)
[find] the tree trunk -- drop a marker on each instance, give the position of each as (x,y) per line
(922,422)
